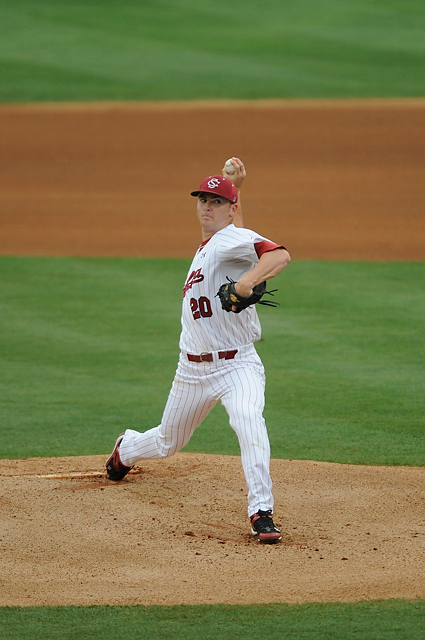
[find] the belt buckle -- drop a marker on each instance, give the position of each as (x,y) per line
(201,358)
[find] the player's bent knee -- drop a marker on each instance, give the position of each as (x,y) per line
(166,448)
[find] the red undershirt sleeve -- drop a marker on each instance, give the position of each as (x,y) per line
(266,245)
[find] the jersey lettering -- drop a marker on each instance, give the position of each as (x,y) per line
(205,307)
(201,308)
(194,306)
(194,278)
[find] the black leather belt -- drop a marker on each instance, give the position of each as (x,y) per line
(208,357)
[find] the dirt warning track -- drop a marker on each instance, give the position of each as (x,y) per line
(333,180)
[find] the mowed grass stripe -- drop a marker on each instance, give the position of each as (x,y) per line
(382,620)
(182,49)
(89,347)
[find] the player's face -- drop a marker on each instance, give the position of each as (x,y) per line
(214,213)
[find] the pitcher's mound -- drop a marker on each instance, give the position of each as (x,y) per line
(176,531)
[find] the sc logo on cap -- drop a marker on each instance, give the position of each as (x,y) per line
(213,183)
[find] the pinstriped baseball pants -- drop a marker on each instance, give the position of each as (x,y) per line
(197,387)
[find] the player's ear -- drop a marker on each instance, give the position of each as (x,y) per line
(233,209)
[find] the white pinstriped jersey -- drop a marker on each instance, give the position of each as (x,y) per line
(206,327)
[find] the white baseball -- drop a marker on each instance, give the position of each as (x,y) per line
(229,167)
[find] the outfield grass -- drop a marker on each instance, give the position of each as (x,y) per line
(185,49)
(387,620)
(88,347)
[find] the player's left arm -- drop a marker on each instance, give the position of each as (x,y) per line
(269,265)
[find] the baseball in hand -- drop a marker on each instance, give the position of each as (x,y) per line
(229,167)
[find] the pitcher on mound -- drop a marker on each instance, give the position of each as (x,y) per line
(218,360)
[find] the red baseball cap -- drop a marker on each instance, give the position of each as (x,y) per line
(219,185)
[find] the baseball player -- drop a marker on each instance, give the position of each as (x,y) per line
(218,360)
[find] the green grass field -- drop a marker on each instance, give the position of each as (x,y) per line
(88,348)
(391,620)
(184,49)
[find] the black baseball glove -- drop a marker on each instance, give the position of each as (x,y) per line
(229,298)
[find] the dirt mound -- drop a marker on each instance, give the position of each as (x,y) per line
(176,531)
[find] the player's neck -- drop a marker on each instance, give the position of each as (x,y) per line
(207,234)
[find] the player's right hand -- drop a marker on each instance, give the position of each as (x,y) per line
(238,177)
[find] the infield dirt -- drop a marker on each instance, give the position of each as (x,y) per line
(329,180)
(332,180)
